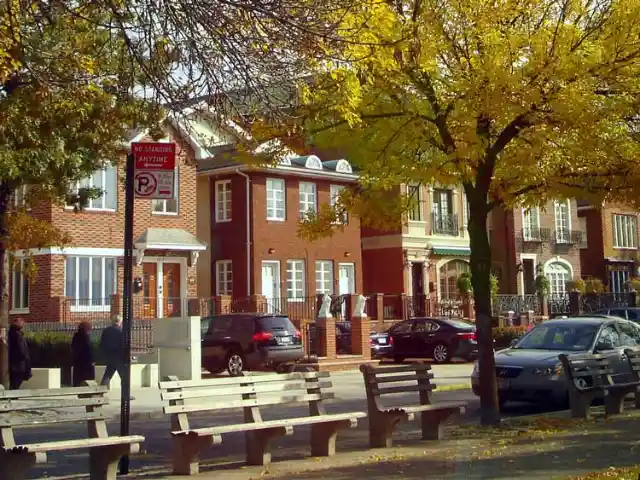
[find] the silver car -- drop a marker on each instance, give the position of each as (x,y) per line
(530,370)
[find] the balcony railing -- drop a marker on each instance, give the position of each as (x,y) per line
(445,225)
(570,237)
(536,235)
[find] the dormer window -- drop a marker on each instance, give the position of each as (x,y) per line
(343,167)
(313,163)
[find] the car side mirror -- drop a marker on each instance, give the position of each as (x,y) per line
(603,347)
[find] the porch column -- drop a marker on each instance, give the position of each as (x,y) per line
(455,209)
(408,278)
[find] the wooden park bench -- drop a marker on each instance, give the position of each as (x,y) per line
(633,357)
(250,393)
(416,377)
(589,376)
(44,408)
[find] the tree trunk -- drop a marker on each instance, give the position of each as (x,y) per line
(481,280)
(5,196)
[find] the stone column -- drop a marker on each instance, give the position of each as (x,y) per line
(222,304)
(326,327)
(574,303)
(360,329)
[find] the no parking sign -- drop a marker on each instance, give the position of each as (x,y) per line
(155,165)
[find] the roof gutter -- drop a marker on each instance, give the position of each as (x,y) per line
(248,226)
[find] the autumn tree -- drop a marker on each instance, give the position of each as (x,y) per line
(518,101)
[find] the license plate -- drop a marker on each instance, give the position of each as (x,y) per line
(285,340)
(503,384)
(382,341)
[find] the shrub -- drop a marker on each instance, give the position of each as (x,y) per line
(543,287)
(593,285)
(576,285)
(464,284)
(634,284)
(503,336)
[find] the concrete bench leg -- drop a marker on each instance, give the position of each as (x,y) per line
(258,451)
(580,403)
(614,400)
(186,452)
(103,461)
(432,423)
(15,466)
(381,429)
(323,436)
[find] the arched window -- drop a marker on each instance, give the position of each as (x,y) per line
(449,273)
(558,274)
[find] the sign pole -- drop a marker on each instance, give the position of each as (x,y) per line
(127,310)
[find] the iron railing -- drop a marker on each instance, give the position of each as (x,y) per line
(445,224)
(517,304)
(535,235)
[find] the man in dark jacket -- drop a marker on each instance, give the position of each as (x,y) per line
(19,359)
(112,348)
(82,349)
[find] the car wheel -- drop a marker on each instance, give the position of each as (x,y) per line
(398,358)
(441,353)
(235,364)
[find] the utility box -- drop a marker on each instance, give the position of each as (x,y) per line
(177,341)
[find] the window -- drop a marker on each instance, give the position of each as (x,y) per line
(619,279)
(107,181)
(558,275)
(465,212)
(170,206)
(307,201)
(441,203)
(334,196)
(324,277)
(625,231)
(563,221)
(295,280)
(449,274)
(20,292)
(414,192)
(276,209)
(531,223)
(608,339)
(224,277)
(20,197)
(223,201)
(90,282)
(402,328)
(629,334)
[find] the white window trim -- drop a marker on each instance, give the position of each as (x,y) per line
(221,198)
(524,223)
(555,218)
(562,261)
(176,192)
(304,205)
(23,279)
(420,204)
(614,234)
(24,191)
(324,271)
(90,308)
(304,283)
(228,266)
(93,209)
(284,196)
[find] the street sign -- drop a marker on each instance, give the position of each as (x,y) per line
(155,165)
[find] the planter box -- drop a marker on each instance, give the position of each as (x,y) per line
(43,378)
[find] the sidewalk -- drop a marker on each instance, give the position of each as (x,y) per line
(346,385)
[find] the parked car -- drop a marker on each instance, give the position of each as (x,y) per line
(628,313)
(381,343)
(438,338)
(530,370)
(249,341)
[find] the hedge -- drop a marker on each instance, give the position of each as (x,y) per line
(503,336)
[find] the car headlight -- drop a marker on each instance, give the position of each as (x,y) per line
(548,371)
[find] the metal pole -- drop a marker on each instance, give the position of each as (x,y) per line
(125,402)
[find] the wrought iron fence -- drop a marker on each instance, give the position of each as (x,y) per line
(591,303)
(517,304)
(449,307)
(558,304)
(445,224)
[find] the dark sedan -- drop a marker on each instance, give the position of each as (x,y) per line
(438,338)
(381,343)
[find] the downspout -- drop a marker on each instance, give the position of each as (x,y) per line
(248,239)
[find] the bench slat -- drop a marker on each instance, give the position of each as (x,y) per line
(52,392)
(244,427)
(22,421)
(215,382)
(282,386)
(403,388)
(32,403)
(75,444)
(397,369)
(399,378)
(429,408)
(276,400)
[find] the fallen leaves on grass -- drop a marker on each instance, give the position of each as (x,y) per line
(612,472)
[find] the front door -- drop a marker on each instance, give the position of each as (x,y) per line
(271,284)
(529,276)
(162,290)
(346,282)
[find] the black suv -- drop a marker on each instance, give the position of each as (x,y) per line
(249,341)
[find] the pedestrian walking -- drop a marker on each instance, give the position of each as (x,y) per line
(112,348)
(82,355)
(19,358)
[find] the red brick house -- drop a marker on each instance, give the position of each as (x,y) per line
(253,220)
(85,278)
(526,242)
(612,251)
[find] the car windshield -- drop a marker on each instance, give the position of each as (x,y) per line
(270,324)
(559,337)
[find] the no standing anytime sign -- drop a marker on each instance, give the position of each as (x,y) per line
(155,165)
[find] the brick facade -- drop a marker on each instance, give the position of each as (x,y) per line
(104,230)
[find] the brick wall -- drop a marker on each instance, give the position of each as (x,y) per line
(592,257)
(383,271)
